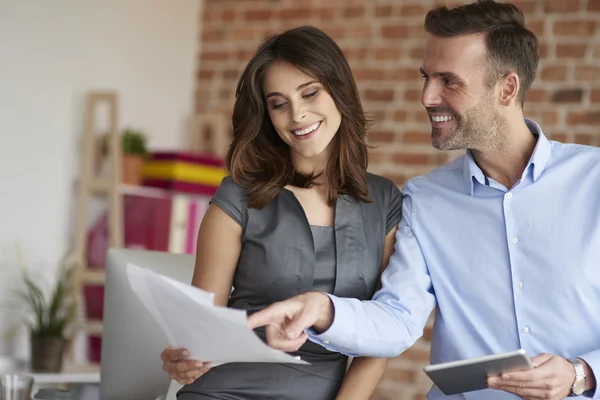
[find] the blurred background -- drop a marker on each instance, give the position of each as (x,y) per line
(169,69)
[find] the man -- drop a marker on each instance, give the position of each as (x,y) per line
(505,240)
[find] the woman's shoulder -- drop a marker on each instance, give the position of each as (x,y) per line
(381,188)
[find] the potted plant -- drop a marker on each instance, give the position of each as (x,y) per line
(134,152)
(51,315)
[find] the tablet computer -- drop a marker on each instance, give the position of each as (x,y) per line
(469,375)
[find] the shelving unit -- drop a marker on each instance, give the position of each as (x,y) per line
(90,185)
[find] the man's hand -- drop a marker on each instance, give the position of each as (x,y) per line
(551,378)
(286,321)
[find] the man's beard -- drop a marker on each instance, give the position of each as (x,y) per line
(479,128)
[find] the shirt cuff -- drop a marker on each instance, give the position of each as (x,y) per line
(338,337)
(593,360)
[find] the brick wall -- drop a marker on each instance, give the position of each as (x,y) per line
(383,41)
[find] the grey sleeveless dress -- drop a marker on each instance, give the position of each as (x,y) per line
(282,256)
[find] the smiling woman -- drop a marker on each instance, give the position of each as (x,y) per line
(299,213)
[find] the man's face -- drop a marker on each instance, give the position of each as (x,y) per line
(462,109)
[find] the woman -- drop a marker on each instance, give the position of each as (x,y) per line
(299,213)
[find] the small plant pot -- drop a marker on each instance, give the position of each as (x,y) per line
(47,353)
(131,169)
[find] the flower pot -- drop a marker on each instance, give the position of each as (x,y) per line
(47,353)
(131,169)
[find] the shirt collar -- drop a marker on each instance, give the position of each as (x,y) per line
(538,160)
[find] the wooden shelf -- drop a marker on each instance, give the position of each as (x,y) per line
(93,327)
(94,276)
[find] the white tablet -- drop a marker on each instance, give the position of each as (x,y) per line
(469,375)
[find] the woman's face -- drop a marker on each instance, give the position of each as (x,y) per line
(301,110)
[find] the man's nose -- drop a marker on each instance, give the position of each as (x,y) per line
(431,96)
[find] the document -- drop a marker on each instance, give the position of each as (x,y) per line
(190,320)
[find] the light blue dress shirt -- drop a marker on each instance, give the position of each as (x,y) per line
(507,269)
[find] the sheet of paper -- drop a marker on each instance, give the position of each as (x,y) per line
(190,319)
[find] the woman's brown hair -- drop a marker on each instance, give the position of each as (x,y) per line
(258,159)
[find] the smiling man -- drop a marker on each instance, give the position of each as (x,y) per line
(504,241)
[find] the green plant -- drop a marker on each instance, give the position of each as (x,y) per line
(50,316)
(133,142)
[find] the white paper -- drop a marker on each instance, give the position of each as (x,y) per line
(190,320)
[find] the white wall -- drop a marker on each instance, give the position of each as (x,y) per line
(51,54)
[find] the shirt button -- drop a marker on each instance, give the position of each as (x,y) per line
(514,240)
(508,195)
(519,285)
(526,330)
(325,341)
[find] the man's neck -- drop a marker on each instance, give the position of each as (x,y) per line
(505,165)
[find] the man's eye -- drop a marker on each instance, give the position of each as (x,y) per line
(448,82)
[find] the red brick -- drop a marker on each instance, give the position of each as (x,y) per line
(215,55)
(575,28)
(406,74)
(379,157)
(571,50)
(258,15)
(527,6)
(228,16)
(413,10)
(354,12)
(595,96)
(416,137)
(559,137)
(398,179)
(536,95)
(240,35)
(417,53)
(325,13)
(586,138)
(537,27)
(381,136)
(412,95)
(388,53)
(379,95)
(383,11)
(205,73)
(587,73)
(412,159)
(370,74)
(549,118)
(593,5)
(295,13)
(567,96)
(562,6)
(231,73)
(394,31)
(362,32)
(583,118)
(213,35)
(400,115)
(554,73)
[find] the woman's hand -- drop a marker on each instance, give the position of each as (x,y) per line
(179,368)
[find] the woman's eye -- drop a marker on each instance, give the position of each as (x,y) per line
(278,106)
(310,95)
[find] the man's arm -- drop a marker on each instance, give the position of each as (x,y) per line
(382,327)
